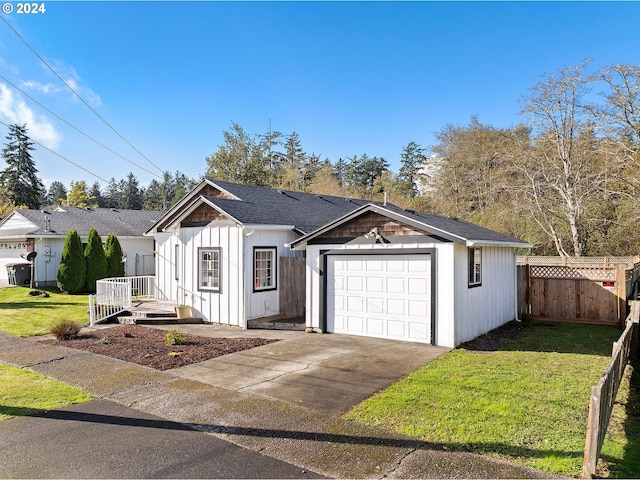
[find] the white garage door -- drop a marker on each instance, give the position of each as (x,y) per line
(386,296)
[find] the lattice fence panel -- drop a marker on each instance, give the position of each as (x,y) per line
(587,273)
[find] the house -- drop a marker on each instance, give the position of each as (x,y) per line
(45,232)
(371,269)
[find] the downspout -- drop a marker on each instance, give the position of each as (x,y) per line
(515,282)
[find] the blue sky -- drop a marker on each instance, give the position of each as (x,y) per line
(348,77)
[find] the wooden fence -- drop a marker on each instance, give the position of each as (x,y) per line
(603,395)
(594,290)
(292,286)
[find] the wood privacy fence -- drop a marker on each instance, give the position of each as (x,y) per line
(292,286)
(603,395)
(580,290)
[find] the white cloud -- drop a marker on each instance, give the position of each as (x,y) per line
(46,88)
(73,80)
(15,111)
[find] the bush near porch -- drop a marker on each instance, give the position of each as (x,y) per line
(520,392)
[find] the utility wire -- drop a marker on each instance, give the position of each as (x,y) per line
(61,156)
(77,95)
(76,128)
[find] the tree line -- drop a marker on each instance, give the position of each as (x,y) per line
(565,179)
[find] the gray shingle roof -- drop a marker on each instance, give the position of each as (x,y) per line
(124,223)
(307,212)
(268,206)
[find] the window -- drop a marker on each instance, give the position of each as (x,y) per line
(264,268)
(209,266)
(475,266)
(176,255)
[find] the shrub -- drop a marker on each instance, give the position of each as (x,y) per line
(72,270)
(113,252)
(66,329)
(95,259)
(175,337)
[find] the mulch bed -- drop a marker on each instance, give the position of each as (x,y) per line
(146,346)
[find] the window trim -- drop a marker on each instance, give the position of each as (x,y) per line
(218,252)
(274,269)
(474,269)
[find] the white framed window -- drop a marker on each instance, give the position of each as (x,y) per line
(264,268)
(176,256)
(209,271)
(475,266)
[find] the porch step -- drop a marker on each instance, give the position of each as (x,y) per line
(277,323)
(157,320)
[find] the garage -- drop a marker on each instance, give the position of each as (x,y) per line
(380,295)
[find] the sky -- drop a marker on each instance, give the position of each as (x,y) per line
(158,82)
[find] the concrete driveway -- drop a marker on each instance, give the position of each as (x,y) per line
(326,372)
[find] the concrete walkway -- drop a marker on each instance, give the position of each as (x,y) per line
(254,418)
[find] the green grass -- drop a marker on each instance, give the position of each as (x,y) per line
(25,393)
(26,316)
(527,401)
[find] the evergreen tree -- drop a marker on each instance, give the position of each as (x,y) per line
(154,196)
(71,272)
(96,193)
(412,159)
(113,252)
(111,195)
(57,194)
(95,260)
(130,193)
(20,177)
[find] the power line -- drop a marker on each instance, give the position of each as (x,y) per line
(79,97)
(61,156)
(76,128)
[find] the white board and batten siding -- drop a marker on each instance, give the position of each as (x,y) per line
(236,302)
(480,309)
(265,303)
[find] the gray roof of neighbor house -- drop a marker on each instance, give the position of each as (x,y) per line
(59,222)
(312,214)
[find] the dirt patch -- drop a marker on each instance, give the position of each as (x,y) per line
(146,346)
(494,340)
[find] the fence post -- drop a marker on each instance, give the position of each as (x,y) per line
(591,447)
(621,292)
(634,316)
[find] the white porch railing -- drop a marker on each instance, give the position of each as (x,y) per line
(114,295)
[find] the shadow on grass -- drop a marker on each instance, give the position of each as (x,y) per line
(629,466)
(539,336)
(38,305)
(324,437)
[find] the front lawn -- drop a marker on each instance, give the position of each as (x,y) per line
(521,392)
(24,315)
(25,393)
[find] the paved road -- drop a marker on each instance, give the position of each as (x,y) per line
(102,439)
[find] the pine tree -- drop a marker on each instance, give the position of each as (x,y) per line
(113,252)
(95,260)
(20,177)
(71,273)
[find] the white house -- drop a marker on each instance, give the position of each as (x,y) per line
(371,269)
(45,231)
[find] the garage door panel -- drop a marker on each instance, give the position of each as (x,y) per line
(387,296)
(375,284)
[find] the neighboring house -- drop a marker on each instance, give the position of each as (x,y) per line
(45,231)
(371,269)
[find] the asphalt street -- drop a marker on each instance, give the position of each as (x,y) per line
(102,439)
